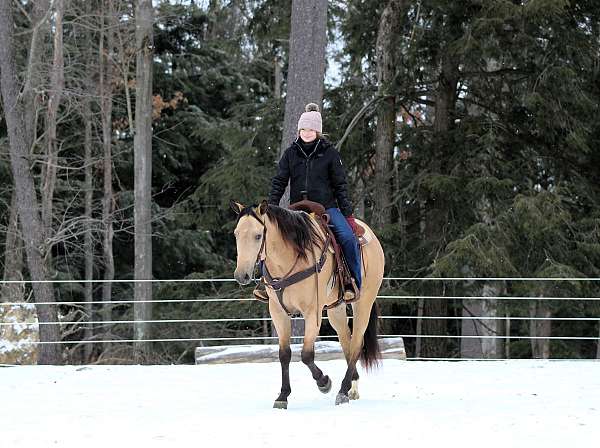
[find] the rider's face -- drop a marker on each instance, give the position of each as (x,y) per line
(308,135)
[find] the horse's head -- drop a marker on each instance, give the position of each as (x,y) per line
(249,234)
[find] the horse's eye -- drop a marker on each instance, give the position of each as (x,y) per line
(258,237)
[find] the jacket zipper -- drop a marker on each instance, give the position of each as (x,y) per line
(307,163)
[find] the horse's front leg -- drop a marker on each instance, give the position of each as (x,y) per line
(312,324)
(283,326)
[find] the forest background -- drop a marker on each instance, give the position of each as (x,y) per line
(469,130)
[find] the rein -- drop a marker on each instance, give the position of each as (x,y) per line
(279,284)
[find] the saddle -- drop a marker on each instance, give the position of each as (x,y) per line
(314,207)
(343,277)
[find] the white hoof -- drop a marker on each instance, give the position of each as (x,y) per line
(353,392)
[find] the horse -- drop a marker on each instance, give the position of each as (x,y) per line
(290,242)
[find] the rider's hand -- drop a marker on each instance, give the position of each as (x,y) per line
(352,223)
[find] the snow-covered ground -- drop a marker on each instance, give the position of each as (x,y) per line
(404,404)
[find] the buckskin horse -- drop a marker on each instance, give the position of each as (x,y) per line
(294,250)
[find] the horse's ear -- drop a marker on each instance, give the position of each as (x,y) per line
(262,208)
(236,206)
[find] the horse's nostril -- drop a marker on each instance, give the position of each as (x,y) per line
(247,278)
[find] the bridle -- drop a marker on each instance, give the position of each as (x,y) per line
(279,284)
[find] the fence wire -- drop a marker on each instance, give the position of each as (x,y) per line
(86,323)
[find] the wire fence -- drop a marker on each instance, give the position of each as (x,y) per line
(244,296)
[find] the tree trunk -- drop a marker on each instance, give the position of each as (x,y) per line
(598,344)
(32,91)
(125,63)
(540,348)
(143,176)
(88,246)
(106,100)
(306,71)
(385,133)
(57,83)
(487,347)
(13,258)
(31,223)
(445,101)
(306,77)
(419,327)
(436,212)
(359,196)
(13,265)
(277,78)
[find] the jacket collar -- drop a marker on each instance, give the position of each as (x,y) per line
(321,147)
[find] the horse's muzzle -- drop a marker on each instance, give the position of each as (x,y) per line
(242,277)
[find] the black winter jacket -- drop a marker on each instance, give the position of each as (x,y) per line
(320,174)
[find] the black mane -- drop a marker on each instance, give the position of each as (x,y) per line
(297,228)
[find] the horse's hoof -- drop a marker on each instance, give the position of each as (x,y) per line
(341,399)
(327,387)
(353,392)
(280,405)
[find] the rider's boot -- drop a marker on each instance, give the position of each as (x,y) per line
(351,292)
(260,292)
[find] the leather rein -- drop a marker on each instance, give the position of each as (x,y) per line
(278,284)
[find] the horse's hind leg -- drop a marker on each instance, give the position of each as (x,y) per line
(339,321)
(283,326)
(312,324)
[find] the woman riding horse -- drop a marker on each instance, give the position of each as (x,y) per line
(315,171)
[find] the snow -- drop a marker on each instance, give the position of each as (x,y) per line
(404,403)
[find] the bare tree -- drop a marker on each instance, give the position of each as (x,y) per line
(88,237)
(31,99)
(57,84)
(142,147)
(88,246)
(13,257)
(28,207)
(106,104)
(35,74)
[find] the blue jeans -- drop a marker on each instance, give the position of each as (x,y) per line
(345,238)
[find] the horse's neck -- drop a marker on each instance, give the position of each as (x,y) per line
(280,256)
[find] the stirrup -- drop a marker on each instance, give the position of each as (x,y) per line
(260,293)
(349,295)
(351,292)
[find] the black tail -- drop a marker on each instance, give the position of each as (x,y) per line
(371,354)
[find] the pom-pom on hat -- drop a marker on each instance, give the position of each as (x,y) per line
(311,119)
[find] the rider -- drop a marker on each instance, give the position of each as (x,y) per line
(315,171)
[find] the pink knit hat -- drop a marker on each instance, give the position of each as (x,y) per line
(311,119)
